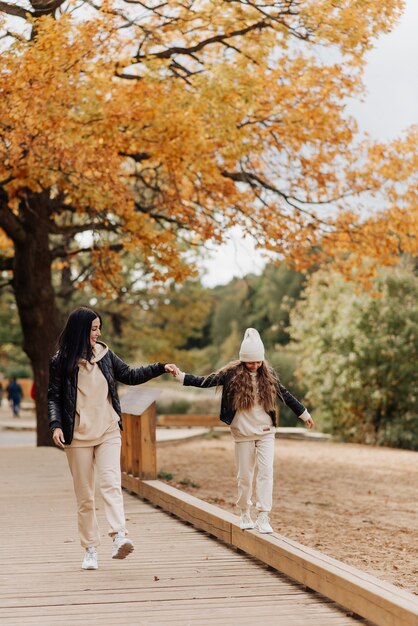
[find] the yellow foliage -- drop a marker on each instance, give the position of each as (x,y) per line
(226,123)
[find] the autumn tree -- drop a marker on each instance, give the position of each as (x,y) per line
(150,128)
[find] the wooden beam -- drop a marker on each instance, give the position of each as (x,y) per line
(190,509)
(378,601)
(147,444)
(189,421)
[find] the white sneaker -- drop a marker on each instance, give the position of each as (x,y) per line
(90,559)
(122,546)
(262,523)
(246,522)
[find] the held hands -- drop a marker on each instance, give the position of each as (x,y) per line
(175,371)
(58,438)
(172,369)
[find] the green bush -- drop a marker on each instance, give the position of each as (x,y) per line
(285,364)
(163,475)
(358,356)
(174,407)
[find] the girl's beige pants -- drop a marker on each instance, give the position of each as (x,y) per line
(255,457)
(85,462)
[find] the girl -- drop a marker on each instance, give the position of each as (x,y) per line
(85,420)
(250,388)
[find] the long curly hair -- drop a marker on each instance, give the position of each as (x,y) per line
(242,391)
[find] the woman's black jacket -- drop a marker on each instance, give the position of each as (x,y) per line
(62,390)
(223,379)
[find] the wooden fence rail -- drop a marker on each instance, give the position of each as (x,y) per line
(378,601)
(188,421)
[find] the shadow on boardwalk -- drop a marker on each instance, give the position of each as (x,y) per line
(176,575)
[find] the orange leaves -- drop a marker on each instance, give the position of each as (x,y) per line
(350,25)
(52,108)
(5,245)
(228,125)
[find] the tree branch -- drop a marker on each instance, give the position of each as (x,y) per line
(17,11)
(256,182)
(166,54)
(9,222)
(56,229)
(45,7)
(136,156)
(61,252)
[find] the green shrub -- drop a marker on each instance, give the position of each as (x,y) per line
(174,407)
(163,475)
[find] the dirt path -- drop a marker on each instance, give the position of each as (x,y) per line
(356,503)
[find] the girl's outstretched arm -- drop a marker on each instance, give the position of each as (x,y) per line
(297,407)
(212,380)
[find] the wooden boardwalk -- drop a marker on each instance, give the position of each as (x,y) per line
(176,575)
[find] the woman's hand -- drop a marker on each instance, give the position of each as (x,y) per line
(58,438)
(172,369)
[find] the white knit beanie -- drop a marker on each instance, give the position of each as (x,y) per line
(252,348)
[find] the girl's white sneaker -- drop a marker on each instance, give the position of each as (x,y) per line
(246,523)
(90,559)
(262,523)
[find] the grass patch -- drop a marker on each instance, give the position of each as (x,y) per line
(189,483)
(212,434)
(163,475)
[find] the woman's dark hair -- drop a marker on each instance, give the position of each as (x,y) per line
(74,340)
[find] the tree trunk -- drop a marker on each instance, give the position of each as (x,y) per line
(35,299)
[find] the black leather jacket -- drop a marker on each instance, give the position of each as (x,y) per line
(223,379)
(62,391)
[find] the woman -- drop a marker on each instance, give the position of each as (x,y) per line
(85,420)
(250,388)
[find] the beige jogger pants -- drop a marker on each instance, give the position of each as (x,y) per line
(255,455)
(105,459)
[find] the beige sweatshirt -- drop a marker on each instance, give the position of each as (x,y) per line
(96,419)
(251,423)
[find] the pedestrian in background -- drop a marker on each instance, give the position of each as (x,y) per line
(85,420)
(14,395)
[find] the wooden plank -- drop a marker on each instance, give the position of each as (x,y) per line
(188,421)
(136,446)
(176,575)
(370,597)
(128,429)
(148,455)
(136,400)
(131,484)
(199,513)
(376,600)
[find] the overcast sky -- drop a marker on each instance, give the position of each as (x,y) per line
(390,106)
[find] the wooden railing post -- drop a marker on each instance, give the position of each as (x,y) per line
(139,451)
(147,444)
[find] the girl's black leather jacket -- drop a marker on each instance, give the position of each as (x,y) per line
(62,391)
(227,414)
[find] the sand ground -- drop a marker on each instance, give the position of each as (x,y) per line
(358,504)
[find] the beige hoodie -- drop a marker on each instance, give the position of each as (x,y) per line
(95,419)
(253,423)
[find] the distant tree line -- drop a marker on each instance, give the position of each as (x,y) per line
(350,353)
